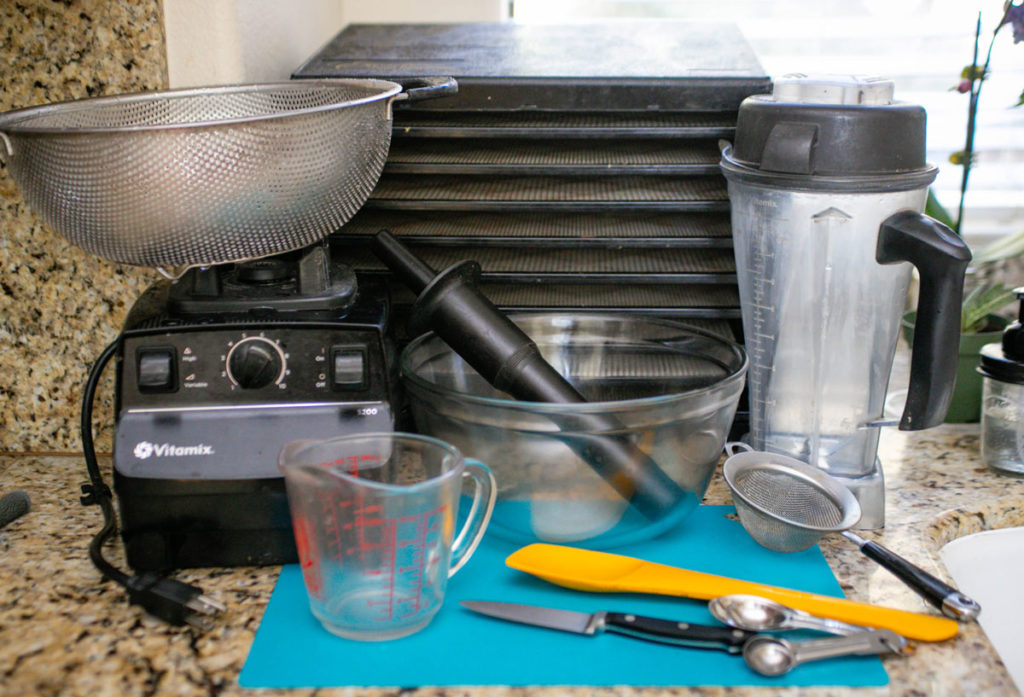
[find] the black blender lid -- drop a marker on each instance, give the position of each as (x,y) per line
(834,132)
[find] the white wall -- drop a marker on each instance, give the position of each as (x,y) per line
(212,42)
(389,11)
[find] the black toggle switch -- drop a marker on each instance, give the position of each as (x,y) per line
(156,370)
(348,368)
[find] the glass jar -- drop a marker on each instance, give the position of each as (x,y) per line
(1002,425)
(1002,398)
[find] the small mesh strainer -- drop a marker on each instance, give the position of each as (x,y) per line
(786,505)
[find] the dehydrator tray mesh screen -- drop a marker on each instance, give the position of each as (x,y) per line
(455,227)
(570,262)
(543,296)
(541,124)
(662,366)
(602,296)
(439,155)
(727,329)
(541,189)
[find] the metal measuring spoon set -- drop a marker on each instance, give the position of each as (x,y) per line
(772,656)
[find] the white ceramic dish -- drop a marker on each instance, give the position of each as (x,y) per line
(989,567)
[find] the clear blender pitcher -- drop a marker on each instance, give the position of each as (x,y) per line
(827,180)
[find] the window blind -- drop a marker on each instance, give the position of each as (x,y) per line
(921,44)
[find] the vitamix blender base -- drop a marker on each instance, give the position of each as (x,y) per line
(215,372)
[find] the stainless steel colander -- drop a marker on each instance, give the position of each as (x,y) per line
(182,178)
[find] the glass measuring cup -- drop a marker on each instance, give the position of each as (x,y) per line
(375,525)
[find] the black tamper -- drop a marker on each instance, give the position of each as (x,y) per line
(450,304)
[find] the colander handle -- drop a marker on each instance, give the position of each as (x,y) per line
(420,88)
(7,151)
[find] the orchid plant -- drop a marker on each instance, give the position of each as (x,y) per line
(972,78)
(983,300)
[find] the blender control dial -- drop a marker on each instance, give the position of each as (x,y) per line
(255,362)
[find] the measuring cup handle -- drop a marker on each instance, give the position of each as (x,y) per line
(484,496)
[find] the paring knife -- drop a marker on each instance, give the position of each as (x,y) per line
(587,570)
(649,628)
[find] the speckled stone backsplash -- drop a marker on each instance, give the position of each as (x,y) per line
(58,305)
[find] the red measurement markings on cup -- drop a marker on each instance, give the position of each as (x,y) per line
(331,510)
(405,543)
(334,509)
(364,515)
(427,527)
(309,560)
(391,552)
(369,527)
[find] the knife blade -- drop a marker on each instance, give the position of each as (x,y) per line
(636,626)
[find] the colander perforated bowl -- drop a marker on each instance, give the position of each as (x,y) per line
(787,505)
(181,178)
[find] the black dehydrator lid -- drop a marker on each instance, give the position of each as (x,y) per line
(645,64)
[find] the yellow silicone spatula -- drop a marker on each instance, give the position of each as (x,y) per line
(586,570)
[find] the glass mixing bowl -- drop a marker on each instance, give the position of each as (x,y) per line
(668,390)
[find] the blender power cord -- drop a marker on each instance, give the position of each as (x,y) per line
(171,600)
(13,506)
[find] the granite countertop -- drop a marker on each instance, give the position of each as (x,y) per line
(60,305)
(64,633)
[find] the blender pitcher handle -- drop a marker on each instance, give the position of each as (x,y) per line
(941,258)
(484,496)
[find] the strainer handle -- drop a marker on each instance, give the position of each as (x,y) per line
(735,446)
(943,596)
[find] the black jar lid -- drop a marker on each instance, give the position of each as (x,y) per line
(995,365)
(1004,361)
(830,132)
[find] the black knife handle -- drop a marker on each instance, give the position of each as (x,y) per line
(697,636)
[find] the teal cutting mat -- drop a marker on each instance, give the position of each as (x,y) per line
(459,647)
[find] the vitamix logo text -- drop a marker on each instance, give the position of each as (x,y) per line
(145,450)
